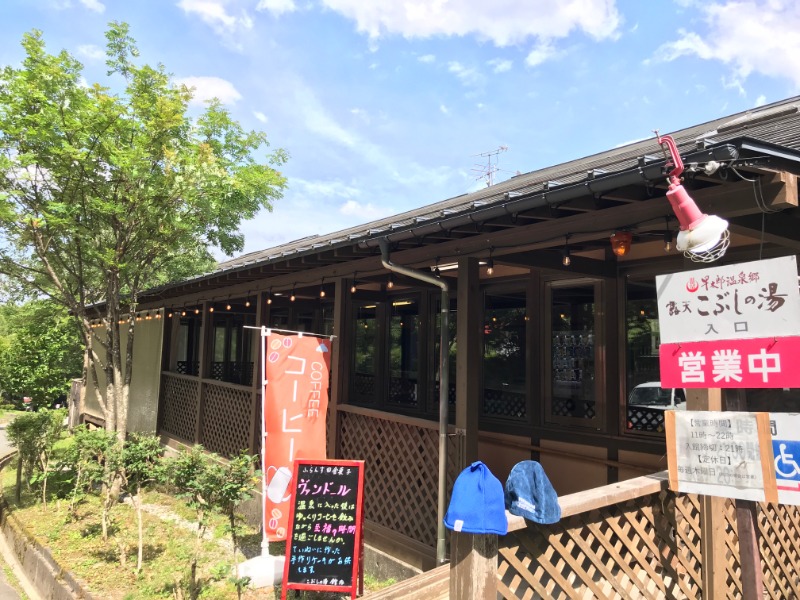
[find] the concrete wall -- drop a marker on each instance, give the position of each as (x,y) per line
(146,380)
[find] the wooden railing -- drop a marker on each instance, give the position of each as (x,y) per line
(637,539)
(216,414)
(629,540)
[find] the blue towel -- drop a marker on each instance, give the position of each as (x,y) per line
(530,494)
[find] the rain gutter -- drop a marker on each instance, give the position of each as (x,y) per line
(444,383)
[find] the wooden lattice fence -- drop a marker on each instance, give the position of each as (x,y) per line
(639,540)
(226,427)
(401,475)
(179,409)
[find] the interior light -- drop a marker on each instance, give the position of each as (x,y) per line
(621,242)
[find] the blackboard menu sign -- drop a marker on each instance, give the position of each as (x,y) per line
(324,544)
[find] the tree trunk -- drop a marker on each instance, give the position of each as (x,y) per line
(19,477)
(137,501)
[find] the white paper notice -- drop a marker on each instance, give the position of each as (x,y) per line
(718,454)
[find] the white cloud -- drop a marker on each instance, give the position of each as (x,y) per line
(444,110)
(500,65)
(277,7)
(94,5)
(365,212)
(260,116)
(426,58)
(504,22)
(322,189)
(748,35)
(761,100)
(318,121)
(540,53)
(215,14)
(206,88)
(468,76)
(91,52)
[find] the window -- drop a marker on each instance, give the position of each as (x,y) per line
(187,345)
(388,350)
(572,382)
(366,353)
(504,355)
(645,400)
(232,343)
(404,352)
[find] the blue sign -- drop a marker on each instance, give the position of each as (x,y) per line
(787,453)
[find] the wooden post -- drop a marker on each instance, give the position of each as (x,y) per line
(473,566)
(469,388)
(339,364)
(712,511)
(747,523)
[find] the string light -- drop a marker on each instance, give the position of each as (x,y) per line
(210,309)
(292,298)
(322,288)
(247,301)
(490,264)
(390,283)
(566,260)
(269,296)
(667,236)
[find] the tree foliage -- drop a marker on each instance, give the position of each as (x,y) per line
(106,190)
(35,436)
(40,351)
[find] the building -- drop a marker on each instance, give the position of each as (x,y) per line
(549,329)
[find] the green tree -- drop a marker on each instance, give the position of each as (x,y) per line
(106,190)
(35,436)
(208,483)
(40,351)
(141,459)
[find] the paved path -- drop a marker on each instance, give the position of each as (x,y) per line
(7,558)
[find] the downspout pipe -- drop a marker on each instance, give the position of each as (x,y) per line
(444,383)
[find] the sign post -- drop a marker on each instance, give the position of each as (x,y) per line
(736,326)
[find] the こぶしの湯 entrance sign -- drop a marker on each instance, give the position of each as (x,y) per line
(324,545)
(735,326)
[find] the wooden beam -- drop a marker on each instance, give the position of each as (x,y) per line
(469,332)
(550,259)
(779,228)
(712,511)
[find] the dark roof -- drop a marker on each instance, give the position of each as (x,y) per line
(772,130)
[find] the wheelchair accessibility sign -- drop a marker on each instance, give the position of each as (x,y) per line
(785,430)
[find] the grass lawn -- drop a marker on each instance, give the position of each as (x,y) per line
(108,568)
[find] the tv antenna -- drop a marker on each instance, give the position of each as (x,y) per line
(487,171)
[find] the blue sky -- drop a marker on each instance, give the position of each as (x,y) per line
(387,105)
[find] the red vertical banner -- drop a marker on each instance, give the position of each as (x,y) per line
(296,369)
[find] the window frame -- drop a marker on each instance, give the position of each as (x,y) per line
(598,422)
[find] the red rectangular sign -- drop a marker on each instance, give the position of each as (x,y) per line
(295,405)
(741,363)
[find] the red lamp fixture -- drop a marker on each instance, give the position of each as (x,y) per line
(702,238)
(621,242)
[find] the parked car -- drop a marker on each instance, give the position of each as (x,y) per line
(652,395)
(647,403)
